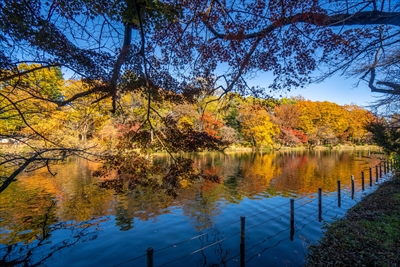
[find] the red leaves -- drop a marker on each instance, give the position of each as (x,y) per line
(289,136)
(128,128)
(211,124)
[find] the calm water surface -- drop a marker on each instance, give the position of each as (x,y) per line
(69,220)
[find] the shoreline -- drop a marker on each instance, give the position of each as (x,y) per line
(233,149)
(368,235)
(286,148)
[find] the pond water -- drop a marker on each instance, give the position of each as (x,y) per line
(69,220)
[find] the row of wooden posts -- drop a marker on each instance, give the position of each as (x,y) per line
(379,172)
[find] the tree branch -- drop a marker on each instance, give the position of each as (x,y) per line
(395,87)
(318,19)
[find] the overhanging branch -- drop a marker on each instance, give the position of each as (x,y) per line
(318,19)
(395,88)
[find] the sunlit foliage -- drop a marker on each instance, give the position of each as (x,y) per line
(175,53)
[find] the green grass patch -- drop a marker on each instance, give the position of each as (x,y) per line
(369,235)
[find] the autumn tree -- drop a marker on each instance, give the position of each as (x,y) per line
(323,122)
(286,116)
(186,115)
(21,103)
(359,120)
(211,124)
(256,126)
(30,117)
(85,116)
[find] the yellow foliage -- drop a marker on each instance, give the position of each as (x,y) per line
(257,126)
(185,121)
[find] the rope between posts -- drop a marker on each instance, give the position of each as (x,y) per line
(302,205)
(198,250)
(194,237)
(210,245)
(286,229)
(267,220)
(217,242)
(268,248)
(219,228)
(267,238)
(261,212)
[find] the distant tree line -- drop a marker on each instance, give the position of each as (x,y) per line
(205,122)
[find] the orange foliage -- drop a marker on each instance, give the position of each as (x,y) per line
(211,124)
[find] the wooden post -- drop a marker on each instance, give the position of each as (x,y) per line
(242,224)
(338,191)
(291,219)
(319,204)
(384,167)
(376,172)
(362,181)
(370,176)
(352,186)
(150,252)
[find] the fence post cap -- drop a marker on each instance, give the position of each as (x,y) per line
(150,250)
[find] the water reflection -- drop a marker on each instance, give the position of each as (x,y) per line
(41,215)
(285,173)
(32,245)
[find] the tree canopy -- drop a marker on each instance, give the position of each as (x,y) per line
(166,44)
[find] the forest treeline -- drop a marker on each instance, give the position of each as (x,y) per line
(207,120)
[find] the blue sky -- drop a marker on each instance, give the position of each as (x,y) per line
(340,90)
(337,89)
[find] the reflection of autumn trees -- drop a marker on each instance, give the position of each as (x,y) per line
(74,191)
(26,216)
(31,208)
(79,198)
(300,172)
(203,205)
(304,172)
(256,174)
(30,213)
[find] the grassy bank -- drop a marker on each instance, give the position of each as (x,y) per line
(369,235)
